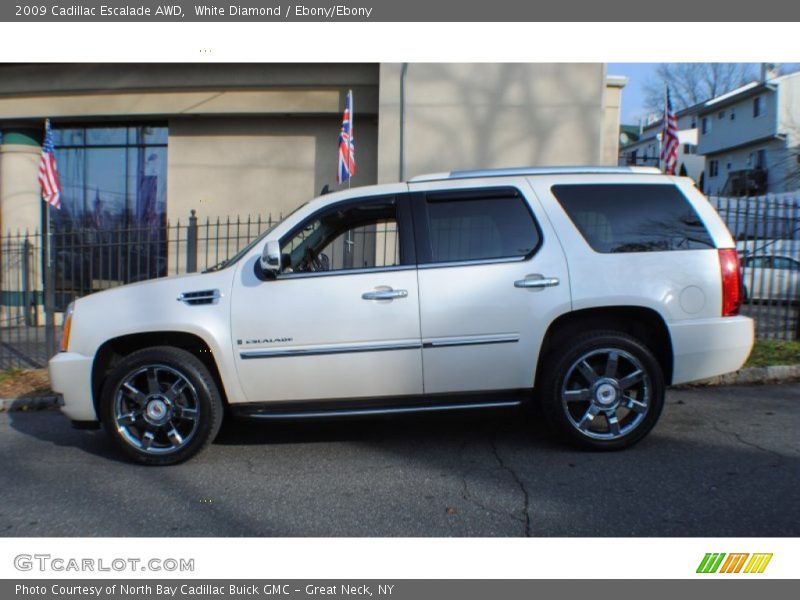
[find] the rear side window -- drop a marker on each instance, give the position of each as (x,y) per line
(633,218)
(479,225)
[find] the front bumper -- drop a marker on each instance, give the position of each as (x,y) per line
(709,347)
(71,376)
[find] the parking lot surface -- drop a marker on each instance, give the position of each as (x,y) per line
(723,461)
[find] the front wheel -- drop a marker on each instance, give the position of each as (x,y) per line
(160,406)
(603,391)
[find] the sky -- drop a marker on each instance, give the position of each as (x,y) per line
(633,96)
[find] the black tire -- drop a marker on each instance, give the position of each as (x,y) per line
(168,411)
(587,419)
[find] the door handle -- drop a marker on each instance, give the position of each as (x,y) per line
(384,294)
(536,282)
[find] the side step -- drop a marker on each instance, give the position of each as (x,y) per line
(329,409)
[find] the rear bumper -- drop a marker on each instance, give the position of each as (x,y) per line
(71,376)
(708,347)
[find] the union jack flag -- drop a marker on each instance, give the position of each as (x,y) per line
(48,176)
(669,138)
(347,143)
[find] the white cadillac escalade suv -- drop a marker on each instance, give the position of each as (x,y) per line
(588,290)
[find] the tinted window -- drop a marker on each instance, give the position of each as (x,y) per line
(480,227)
(633,218)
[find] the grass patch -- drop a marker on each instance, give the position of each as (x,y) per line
(767,353)
(20,383)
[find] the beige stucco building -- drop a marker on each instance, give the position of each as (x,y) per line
(262,138)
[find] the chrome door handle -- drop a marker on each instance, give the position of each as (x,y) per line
(536,282)
(389,294)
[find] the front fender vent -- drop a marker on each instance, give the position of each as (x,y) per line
(200,297)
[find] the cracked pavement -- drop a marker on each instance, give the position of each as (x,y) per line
(723,461)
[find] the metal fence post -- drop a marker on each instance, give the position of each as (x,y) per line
(191,243)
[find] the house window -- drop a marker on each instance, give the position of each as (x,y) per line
(694,123)
(689,149)
(706,125)
(760,159)
(713,168)
(733,115)
(758,106)
(721,114)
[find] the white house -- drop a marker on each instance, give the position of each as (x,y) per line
(750,137)
(647,149)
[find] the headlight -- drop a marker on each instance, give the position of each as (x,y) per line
(67,326)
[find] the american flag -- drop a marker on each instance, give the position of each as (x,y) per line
(48,176)
(669,138)
(347,143)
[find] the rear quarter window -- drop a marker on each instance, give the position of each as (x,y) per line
(616,218)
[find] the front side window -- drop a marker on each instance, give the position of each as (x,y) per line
(616,218)
(478,225)
(348,236)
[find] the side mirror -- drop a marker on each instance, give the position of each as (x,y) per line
(271,258)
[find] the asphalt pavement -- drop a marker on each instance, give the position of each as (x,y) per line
(723,461)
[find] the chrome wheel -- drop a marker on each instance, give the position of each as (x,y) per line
(156,409)
(606,393)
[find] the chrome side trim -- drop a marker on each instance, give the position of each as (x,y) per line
(470,340)
(323,350)
(352,412)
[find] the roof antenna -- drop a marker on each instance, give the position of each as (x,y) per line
(326,189)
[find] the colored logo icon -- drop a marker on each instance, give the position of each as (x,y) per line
(742,562)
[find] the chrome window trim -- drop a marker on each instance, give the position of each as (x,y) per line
(339,272)
(470,263)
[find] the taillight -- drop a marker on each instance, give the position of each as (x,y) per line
(731,281)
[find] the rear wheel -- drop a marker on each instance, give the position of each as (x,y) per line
(160,406)
(603,391)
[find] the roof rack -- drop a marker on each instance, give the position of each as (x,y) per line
(535,171)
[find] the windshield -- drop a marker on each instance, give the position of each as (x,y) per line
(235,258)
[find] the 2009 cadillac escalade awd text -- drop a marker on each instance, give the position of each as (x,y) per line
(586,289)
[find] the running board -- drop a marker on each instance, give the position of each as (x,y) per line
(265,412)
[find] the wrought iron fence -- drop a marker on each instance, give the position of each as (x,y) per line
(34,291)
(767,234)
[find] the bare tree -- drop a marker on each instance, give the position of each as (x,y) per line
(692,83)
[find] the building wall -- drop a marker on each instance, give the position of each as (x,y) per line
(611,119)
(258,165)
(744,128)
(466,116)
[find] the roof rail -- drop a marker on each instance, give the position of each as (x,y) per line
(535,171)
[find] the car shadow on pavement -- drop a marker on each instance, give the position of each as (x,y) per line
(403,427)
(54,428)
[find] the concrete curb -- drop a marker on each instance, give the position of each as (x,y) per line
(773,374)
(752,375)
